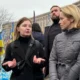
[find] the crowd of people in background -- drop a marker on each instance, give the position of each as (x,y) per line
(33,55)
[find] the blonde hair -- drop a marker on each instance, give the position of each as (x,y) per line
(16,33)
(72,11)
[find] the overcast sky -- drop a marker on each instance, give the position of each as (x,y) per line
(21,8)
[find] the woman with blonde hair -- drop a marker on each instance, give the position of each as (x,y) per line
(24,56)
(65,55)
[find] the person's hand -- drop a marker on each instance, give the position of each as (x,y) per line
(10,64)
(37,60)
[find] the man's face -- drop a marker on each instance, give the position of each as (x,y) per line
(55,12)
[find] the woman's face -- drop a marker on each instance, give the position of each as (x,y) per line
(64,22)
(25,29)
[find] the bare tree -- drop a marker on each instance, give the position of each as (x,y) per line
(5,17)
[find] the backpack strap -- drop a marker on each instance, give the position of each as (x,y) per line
(28,52)
(37,44)
(37,47)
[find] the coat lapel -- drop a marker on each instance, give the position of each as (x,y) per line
(18,49)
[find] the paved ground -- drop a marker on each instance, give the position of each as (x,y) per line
(47,78)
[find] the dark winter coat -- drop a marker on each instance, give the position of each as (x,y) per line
(38,36)
(65,56)
(50,33)
(28,72)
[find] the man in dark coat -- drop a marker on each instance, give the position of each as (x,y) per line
(51,32)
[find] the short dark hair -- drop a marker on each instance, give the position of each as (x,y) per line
(55,6)
(36,27)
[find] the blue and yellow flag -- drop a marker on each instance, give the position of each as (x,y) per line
(12,32)
(1,45)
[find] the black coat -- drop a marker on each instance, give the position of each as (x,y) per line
(28,72)
(50,33)
(38,36)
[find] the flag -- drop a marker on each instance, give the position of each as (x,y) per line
(1,41)
(1,45)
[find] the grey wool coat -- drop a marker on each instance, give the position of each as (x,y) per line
(64,61)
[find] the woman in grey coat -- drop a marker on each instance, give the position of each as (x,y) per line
(64,61)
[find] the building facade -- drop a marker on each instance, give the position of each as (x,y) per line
(43,20)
